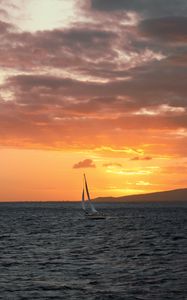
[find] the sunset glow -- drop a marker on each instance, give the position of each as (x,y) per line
(94,86)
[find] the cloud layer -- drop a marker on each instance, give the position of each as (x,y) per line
(116,78)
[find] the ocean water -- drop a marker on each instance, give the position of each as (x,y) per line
(50,251)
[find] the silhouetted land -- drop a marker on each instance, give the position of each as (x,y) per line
(178,195)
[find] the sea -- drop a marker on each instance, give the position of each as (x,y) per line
(51,251)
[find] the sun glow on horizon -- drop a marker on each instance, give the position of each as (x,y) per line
(49,175)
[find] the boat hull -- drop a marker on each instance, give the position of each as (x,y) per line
(95,217)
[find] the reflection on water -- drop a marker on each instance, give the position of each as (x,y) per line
(49,251)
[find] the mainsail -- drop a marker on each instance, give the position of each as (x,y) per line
(83,201)
(93,210)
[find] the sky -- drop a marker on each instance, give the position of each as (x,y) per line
(96,87)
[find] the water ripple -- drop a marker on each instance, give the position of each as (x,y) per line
(49,251)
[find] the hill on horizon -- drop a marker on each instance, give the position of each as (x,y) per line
(179,195)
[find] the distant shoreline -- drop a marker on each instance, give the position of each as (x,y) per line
(177,195)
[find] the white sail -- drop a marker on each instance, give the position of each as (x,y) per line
(83,201)
(87,206)
(88,195)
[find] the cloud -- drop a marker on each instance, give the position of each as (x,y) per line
(141,158)
(145,7)
(168,29)
(119,77)
(112,165)
(103,52)
(36,119)
(87,163)
(5,27)
(56,48)
(163,84)
(47,110)
(178,59)
(3,13)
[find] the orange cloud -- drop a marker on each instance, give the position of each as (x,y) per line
(141,158)
(112,165)
(87,163)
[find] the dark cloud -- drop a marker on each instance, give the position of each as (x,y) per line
(86,163)
(5,27)
(60,48)
(146,7)
(178,59)
(157,85)
(146,89)
(87,36)
(26,82)
(82,40)
(170,29)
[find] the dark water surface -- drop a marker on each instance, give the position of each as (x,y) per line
(49,251)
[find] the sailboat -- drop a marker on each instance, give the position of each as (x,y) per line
(87,206)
